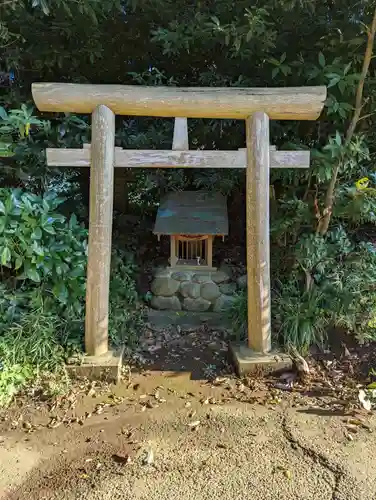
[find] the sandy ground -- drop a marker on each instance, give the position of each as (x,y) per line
(169,434)
(250,443)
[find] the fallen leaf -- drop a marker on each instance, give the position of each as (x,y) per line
(220,380)
(283,387)
(121,459)
(362,397)
(149,459)
(91,393)
(54,423)
(346,351)
(355,421)
(194,425)
(301,364)
(287,473)
(288,377)
(99,409)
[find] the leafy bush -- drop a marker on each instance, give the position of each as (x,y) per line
(126,318)
(299,317)
(332,284)
(13,378)
(238,315)
(29,349)
(39,246)
(34,341)
(43,272)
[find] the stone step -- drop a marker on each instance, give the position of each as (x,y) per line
(188,319)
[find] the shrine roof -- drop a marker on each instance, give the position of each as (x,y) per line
(192,212)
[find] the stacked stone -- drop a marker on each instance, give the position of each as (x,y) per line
(192,290)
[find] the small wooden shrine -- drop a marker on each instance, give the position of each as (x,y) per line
(192,219)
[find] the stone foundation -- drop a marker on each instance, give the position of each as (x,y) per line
(197,291)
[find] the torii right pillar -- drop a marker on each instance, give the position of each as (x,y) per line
(258,354)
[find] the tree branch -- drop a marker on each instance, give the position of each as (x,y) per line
(323,224)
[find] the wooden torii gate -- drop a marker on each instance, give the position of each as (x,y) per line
(254,105)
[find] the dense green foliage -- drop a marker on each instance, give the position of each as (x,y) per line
(42,289)
(322,248)
(39,245)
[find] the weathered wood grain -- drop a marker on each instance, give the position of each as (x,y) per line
(135,158)
(257,233)
(100,230)
(294,103)
(180,138)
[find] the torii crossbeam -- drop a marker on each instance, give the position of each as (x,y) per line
(256,106)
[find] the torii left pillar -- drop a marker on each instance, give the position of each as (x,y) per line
(100,362)
(100,231)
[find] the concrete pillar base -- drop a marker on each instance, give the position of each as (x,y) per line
(247,361)
(105,367)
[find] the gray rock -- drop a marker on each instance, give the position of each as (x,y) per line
(223,303)
(227,288)
(210,291)
(164,286)
(181,276)
(220,277)
(202,277)
(166,303)
(189,289)
(227,269)
(242,281)
(162,272)
(199,304)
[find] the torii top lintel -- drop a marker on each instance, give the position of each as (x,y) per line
(288,103)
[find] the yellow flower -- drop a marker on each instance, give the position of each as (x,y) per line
(362,183)
(372,323)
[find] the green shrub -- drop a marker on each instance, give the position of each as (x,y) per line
(29,349)
(34,341)
(126,315)
(38,246)
(43,273)
(332,284)
(299,317)
(13,378)
(237,314)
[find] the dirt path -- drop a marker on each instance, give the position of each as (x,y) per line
(251,442)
